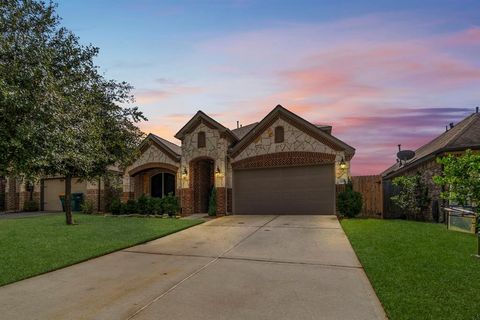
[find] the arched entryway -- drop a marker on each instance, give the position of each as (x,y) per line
(203,182)
(162,184)
(155,179)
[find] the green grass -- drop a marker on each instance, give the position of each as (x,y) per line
(31,246)
(419,270)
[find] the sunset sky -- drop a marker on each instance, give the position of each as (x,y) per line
(381,72)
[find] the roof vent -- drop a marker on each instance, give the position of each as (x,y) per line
(476,110)
(451,125)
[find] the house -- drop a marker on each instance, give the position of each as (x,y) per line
(280,165)
(456,139)
(46,193)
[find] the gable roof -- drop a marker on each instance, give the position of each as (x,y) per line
(201,117)
(242,131)
(309,128)
(170,149)
(464,135)
(172,146)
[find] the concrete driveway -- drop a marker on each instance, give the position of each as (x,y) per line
(235,267)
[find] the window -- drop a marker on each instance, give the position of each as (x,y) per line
(201,143)
(279,134)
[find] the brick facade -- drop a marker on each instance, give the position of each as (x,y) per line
(200,166)
(221,201)
(284,159)
(186,201)
(3,185)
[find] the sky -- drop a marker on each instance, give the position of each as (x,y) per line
(382,73)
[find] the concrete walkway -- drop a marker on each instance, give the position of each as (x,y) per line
(236,267)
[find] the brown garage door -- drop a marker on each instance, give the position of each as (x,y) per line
(291,190)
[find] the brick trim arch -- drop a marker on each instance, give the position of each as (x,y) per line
(284,159)
(154,165)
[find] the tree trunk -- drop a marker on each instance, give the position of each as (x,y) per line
(68,199)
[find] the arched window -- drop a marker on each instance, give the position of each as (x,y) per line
(279,134)
(201,142)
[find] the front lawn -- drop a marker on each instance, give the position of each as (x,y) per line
(419,270)
(31,246)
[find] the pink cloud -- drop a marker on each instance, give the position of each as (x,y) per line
(372,78)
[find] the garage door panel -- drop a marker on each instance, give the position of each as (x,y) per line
(52,188)
(292,190)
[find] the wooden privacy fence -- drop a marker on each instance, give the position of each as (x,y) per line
(371,189)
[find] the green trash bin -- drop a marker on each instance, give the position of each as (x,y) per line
(76,203)
(77,200)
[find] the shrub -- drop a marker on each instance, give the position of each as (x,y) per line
(413,196)
(130,207)
(30,206)
(112,195)
(212,203)
(156,205)
(116,207)
(349,202)
(170,204)
(87,207)
(143,205)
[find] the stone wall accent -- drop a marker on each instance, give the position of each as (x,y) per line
(284,159)
(295,140)
(216,148)
(152,154)
(152,158)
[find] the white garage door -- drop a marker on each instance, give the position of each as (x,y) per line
(53,188)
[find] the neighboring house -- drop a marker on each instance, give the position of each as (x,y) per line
(46,192)
(456,139)
(280,165)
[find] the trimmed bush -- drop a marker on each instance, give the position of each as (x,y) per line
(170,205)
(30,206)
(116,207)
(87,207)
(143,205)
(130,207)
(349,202)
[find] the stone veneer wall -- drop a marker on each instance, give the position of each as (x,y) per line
(216,149)
(295,140)
(153,154)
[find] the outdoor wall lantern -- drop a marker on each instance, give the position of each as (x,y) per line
(218,172)
(343,164)
(184,173)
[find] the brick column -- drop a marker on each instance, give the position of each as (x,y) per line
(186,201)
(221,201)
(11,195)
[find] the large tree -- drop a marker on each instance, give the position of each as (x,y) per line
(73,122)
